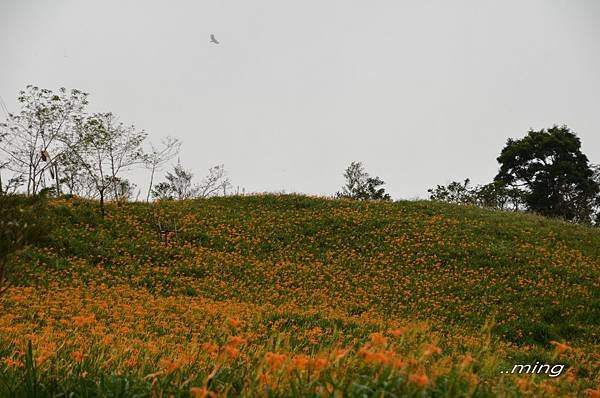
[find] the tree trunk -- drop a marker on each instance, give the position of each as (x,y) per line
(102,202)
(29,181)
(57,180)
(150,187)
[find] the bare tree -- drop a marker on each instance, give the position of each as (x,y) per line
(4,186)
(159,156)
(11,185)
(179,184)
(215,182)
(33,137)
(124,149)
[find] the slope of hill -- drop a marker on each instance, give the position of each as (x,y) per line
(291,295)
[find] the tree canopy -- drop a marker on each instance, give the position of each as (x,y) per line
(553,172)
(361,186)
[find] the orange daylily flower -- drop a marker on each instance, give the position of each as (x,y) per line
(201,392)
(275,360)
(233,322)
(419,380)
(77,356)
(395,332)
(560,347)
(590,393)
(378,338)
(235,341)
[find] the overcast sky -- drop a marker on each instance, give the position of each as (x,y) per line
(423,92)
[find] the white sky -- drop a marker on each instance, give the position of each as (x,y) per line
(423,92)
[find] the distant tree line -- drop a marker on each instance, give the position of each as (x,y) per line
(52,145)
(544,172)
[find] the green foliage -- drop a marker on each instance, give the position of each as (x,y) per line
(239,239)
(361,186)
(103,149)
(178,185)
(23,221)
(122,189)
(289,265)
(596,202)
(34,136)
(495,195)
(455,192)
(162,191)
(554,173)
(76,385)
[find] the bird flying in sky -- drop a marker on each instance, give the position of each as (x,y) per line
(213,39)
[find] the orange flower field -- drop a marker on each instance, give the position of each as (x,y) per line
(286,295)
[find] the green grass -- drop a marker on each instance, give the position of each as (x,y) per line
(296,263)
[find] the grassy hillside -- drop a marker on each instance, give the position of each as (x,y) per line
(290,295)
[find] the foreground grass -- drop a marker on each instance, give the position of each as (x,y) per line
(297,296)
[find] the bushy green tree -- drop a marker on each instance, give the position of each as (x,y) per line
(361,186)
(553,173)
(497,195)
(162,191)
(454,192)
(493,195)
(178,186)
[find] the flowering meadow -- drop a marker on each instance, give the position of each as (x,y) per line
(293,296)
